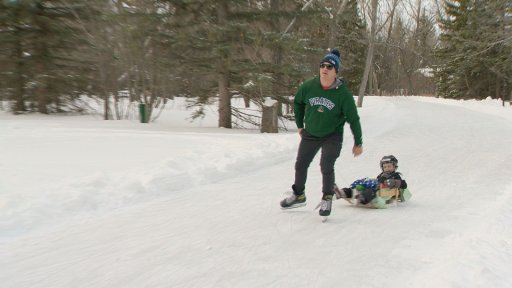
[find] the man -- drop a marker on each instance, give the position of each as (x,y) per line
(322,106)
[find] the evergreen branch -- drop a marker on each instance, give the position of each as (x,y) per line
(489,47)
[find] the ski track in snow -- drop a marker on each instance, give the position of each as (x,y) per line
(208,215)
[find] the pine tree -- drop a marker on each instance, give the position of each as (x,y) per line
(271,63)
(450,83)
(238,47)
(42,39)
(204,36)
(14,70)
(474,48)
(351,30)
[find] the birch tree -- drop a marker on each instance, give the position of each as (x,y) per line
(369,53)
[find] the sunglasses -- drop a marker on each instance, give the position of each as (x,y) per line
(326,65)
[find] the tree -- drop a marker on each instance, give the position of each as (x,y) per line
(42,40)
(369,53)
(271,49)
(474,51)
(448,80)
(14,15)
(350,38)
(403,57)
(53,51)
(205,35)
(340,25)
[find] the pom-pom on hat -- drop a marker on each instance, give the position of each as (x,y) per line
(334,58)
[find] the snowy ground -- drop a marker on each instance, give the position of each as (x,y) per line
(92,203)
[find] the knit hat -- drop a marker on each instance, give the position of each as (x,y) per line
(334,58)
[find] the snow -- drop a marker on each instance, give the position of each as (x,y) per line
(92,203)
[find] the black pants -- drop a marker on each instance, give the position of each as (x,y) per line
(308,148)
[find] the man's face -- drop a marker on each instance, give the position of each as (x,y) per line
(327,70)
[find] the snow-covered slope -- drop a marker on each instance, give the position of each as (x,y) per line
(91,203)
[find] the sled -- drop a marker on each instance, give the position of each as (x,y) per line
(386,196)
(383,197)
(388,193)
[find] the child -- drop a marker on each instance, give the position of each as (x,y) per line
(377,192)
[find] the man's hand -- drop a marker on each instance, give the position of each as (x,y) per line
(357,150)
(300,131)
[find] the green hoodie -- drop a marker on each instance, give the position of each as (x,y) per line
(324,112)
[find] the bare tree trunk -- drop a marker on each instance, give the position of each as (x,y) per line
(269,123)
(275,6)
(224,97)
(408,71)
(19,93)
(438,10)
(106,108)
(41,53)
(369,54)
(497,92)
(247,101)
(277,53)
(370,81)
(390,31)
(223,72)
(103,77)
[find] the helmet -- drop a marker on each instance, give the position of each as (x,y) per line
(388,159)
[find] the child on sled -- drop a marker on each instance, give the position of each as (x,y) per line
(378,192)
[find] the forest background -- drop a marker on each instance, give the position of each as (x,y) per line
(57,55)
